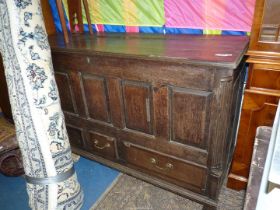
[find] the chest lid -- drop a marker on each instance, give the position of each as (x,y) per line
(225,51)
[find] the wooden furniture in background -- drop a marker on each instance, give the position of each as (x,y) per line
(262,91)
(48,18)
(263,135)
(75,14)
(162,108)
(62,20)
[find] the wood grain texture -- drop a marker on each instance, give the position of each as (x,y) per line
(210,204)
(75,136)
(48,18)
(265,77)
(190,116)
(116,66)
(76,82)
(164,166)
(137,105)
(75,15)
(115,102)
(86,7)
(161,111)
(102,145)
(60,9)
(168,103)
(96,97)
(219,137)
(116,76)
(223,140)
(192,154)
(184,48)
(257,47)
(261,144)
(65,90)
(262,90)
(258,110)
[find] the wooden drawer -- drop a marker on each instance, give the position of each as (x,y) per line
(102,145)
(265,77)
(167,167)
(75,136)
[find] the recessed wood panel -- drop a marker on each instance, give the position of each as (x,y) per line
(261,77)
(137,105)
(189,116)
(75,136)
(96,97)
(65,92)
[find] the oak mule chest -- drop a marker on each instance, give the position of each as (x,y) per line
(162,108)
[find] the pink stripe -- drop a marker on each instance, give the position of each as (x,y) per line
(132,29)
(100,27)
(210,14)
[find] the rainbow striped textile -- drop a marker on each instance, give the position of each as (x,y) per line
(223,17)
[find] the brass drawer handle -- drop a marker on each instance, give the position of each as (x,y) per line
(100,147)
(168,166)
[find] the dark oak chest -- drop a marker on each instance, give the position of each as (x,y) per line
(162,108)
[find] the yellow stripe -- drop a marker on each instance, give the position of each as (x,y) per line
(95,11)
(212,32)
(129,12)
(64,2)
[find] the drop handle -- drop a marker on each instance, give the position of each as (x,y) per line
(167,167)
(88,60)
(100,147)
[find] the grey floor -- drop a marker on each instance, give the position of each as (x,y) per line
(130,193)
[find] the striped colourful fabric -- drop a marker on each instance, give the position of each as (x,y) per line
(224,17)
(126,12)
(210,14)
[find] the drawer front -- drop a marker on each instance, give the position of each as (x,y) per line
(166,167)
(102,145)
(75,136)
(264,76)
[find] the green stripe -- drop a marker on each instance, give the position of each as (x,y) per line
(148,13)
(111,12)
(212,32)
